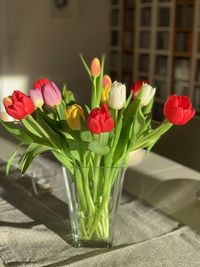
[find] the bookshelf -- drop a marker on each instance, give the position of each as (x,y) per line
(159,41)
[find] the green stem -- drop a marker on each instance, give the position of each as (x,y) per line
(106,220)
(81,194)
(84,232)
(116,117)
(164,127)
(89,200)
(94,94)
(105,199)
(96,176)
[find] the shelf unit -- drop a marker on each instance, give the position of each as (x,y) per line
(122,40)
(159,41)
(115,39)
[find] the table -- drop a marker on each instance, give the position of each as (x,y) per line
(152,230)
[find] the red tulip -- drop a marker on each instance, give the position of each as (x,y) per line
(40,83)
(137,86)
(178,109)
(100,121)
(18,105)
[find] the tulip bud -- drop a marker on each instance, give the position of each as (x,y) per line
(40,83)
(178,110)
(95,67)
(18,105)
(100,120)
(73,116)
(117,96)
(148,91)
(36,97)
(107,81)
(148,94)
(51,95)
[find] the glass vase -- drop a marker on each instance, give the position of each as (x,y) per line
(93,196)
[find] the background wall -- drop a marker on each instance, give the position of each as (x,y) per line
(41,41)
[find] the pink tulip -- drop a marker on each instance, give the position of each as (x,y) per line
(51,95)
(36,97)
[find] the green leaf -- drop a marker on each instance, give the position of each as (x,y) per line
(53,137)
(122,156)
(67,96)
(63,159)
(17,131)
(147,109)
(88,109)
(74,148)
(31,127)
(61,110)
(100,80)
(132,108)
(10,160)
(152,143)
(23,135)
(86,67)
(33,151)
(128,100)
(86,136)
(98,148)
(141,121)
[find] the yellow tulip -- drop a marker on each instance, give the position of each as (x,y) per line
(105,94)
(73,116)
(107,83)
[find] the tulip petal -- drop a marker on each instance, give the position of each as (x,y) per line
(107,81)
(95,67)
(50,96)
(7,101)
(174,115)
(187,115)
(57,91)
(178,109)
(108,125)
(94,126)
(105,110)
(36,97)
(40,83)
(17,111)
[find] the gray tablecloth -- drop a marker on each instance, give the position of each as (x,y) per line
(35,231)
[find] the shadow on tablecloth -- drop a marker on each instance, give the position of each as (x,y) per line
(36,232)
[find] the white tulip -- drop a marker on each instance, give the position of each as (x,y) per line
(148,94)
(117,96)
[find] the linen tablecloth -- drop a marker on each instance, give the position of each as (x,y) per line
(35,231)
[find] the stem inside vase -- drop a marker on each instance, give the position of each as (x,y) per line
(93,195)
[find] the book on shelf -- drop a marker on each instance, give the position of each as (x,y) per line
(181,69)
(196,98)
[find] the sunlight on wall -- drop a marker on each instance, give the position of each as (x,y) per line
(9,83)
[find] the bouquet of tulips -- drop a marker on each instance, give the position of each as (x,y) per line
(87,139)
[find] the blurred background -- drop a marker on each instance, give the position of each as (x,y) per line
(45,37)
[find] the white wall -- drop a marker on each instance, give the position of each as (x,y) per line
(39,44)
